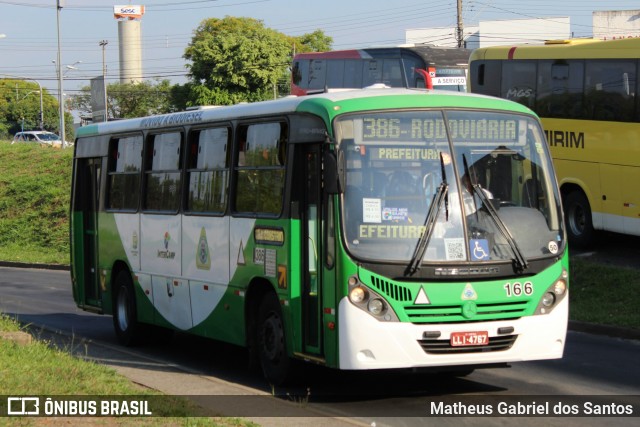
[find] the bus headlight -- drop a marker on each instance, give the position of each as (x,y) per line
(375,306)
(554,294)
(559,287)
(548,299)
(370,301)
(357,295)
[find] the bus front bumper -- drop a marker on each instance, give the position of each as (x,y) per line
(366,343)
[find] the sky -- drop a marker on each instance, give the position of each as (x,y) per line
(29,46)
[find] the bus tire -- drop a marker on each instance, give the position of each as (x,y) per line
(125,321)
(578,219)
(271,341)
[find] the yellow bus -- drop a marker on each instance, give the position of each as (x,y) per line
(585,91)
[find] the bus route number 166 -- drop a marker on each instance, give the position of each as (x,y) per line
(516,289)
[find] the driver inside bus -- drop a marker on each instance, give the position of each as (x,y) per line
(431,181)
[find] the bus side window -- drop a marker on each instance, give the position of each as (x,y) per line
(124,166)
(371,72)
(488,75)
(481,69)
(207,170)
(392,73)
(162,172)
(317,74)
(260,168)
(335,73)
(560,84)
(519,82)
(609,90)
(297,72)
(353,73)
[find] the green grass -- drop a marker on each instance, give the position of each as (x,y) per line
(40,369)
(35,186)
(45,370)
(604,294)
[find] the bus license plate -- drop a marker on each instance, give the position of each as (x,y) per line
(461,339)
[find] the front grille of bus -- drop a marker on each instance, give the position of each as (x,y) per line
(431,313)
(453,313)
(392,290)
(435,346)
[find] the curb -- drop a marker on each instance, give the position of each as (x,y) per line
(574,325)
(607,330)
(15,264)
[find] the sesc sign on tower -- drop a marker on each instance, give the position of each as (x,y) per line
(128,12)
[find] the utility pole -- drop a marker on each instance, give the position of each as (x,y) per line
(103,44)
(60,84)
(459,28)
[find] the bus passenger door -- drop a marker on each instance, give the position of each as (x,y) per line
(85,211)
(309,191)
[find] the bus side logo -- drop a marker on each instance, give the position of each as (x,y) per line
(203,258)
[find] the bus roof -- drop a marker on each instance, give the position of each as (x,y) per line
(325,105)
(563,49)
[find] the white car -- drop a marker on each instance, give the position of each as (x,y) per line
(41,137)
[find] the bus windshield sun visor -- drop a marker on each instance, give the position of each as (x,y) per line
(441,196)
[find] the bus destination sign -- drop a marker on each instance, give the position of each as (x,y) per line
(412,128)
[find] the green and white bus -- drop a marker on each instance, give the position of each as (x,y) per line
(366,229)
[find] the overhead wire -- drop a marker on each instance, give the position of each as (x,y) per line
(344,25)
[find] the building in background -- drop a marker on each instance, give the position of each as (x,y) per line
(616,24)
(492,33)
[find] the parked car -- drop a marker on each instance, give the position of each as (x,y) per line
(41,137)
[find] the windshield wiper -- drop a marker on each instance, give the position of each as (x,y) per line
(441,196)
(519,259)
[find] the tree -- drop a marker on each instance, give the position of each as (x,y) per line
(20,108)
(317,41)
(238,59)
(127,100)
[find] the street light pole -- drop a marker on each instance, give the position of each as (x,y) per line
(103,44)
(60,84)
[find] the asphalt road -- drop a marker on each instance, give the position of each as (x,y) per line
(592,366)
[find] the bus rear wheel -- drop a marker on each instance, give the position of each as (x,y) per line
(578,219)
(125,320)
(272,348)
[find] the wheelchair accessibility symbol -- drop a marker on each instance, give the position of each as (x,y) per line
(479,249)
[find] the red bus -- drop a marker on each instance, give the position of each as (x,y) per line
(408,67)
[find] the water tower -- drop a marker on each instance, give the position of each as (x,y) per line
(129,42)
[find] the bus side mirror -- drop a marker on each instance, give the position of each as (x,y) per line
(333,172)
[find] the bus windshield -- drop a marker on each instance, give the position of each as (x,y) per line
(500,203)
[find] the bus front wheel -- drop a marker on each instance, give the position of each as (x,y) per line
(272,349)
(578,219)
(125,320)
